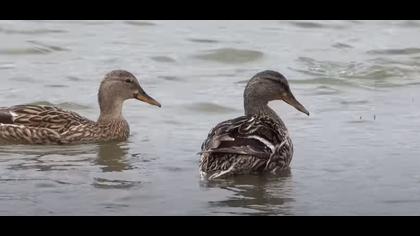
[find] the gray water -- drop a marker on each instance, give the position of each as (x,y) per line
(357,154)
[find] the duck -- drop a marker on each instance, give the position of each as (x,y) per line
(257,142)
(50,125)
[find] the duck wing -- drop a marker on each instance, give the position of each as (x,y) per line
(256,135)
(40,116)
(37,124)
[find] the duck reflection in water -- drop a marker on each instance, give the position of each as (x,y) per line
(255,194)
(112,157)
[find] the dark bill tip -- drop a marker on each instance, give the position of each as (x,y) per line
(147,99)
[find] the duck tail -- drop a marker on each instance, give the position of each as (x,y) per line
(5,116)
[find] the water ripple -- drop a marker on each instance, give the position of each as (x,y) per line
(209,108)
(114,184)
(399,51)
(170,78)
(372,73)
(315,25)
(231,55)
(307,24)
(203,40)
(341,45)
(49,46)
(31,32)
(140,23)
(24,51)
(164,59)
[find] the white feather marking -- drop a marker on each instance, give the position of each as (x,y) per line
(264,141)
(11,125)
(13,114)
(249,126)
(224,172)
(226,138)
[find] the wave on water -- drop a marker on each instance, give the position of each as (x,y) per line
(230,55)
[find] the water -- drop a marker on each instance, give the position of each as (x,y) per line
(357,154)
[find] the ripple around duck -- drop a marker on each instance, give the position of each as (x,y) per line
(196,40)
(39,48)
(315,67)
(242,82)
(139,23)
(170,78)
(209,108)
(325,90)
(163,59)
(314,25)
(341,45)
(307,24)
(22,79)
(399,51)
(411,23)
(406,63)
(31,32)
(49,46)
(114,184)
(24,51)
(88,22)
(326,81)
(56,86)
(402,201)
(67,153)
(356,102)
(374,72)
(230,55)
(74,78)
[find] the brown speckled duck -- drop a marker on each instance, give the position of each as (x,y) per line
(39,124)
(257,142)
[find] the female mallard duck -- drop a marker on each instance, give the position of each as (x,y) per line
(257,142)
(38,124)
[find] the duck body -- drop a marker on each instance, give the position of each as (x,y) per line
(257,142)
(39,124)
(246,145)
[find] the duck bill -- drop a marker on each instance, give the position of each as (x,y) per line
(147,99)
(291,100)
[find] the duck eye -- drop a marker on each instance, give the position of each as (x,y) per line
(129,81)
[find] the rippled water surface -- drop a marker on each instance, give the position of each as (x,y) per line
(357,154)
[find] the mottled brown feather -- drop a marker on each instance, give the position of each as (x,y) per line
(38,124)
(234,146)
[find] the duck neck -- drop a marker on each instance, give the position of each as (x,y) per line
(111,110)
(255,106)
